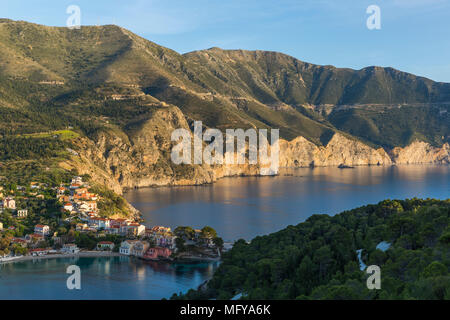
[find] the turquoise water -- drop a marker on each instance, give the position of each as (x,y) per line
(236,208)
(101,278)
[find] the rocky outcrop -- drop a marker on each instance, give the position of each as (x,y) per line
(140,158)
(420,152)
(340,150)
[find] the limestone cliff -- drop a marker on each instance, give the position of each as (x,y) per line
(139,158)
(139,155)
(420,152)
(339,150)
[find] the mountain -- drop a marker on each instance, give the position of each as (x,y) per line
(272,77)
(122,95)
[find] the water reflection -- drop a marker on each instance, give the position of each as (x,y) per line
(102,278)
(250,206)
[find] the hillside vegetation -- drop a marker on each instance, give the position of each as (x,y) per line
(106,77)
(317,259)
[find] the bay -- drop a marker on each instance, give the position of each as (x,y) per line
(111,278)
(246,207)
(242,207)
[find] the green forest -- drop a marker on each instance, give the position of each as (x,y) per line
(317,259)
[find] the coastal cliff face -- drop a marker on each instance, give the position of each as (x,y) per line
(140,155)
(420,152)
(342,150)
(339,150)
(140,158)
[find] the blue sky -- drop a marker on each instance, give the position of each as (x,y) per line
(414,35)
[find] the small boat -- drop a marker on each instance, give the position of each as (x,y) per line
(344,166)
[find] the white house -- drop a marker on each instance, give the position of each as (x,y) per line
(113,230)
(84,207)
(1,226)
(92,205)
(42,229)
(39,252)
(23,213)
(9,203)
(126,247)
(70,248)
(77,180)
(136,229)
(101,223)
(68,206)
(105,245)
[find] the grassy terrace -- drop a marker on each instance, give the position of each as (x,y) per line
(62,135)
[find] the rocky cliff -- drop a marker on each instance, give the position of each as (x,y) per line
(420,152)
(140,156)
(339,150)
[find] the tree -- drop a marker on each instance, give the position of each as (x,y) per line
(184,232)
(179,242)
(434,269)
(208,232)
(218,242)
(445,238)
(317,258)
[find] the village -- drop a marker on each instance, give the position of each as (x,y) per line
(79,227)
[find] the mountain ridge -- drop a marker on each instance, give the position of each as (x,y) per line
(123,95)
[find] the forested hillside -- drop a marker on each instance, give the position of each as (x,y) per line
(97,77)
(317,259)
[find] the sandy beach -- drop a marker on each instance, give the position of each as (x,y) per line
(85,254)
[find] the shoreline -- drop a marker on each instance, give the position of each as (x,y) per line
(105,254)
(81,254)
(285,173)
(196,259)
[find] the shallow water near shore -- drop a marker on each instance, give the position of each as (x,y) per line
(245,207)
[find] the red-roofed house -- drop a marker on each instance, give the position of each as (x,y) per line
(42,229)
(105,246)
(135,229)
(68,206)
(34,237)
(60,191)
(20,241)
(39,252)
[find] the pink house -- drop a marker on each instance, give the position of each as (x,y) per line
(157,252)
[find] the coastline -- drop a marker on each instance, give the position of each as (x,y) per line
(82,254)
(102,254)
(283,172)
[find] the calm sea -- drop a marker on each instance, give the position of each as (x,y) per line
(236,208)
(101,278)
(250,206)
